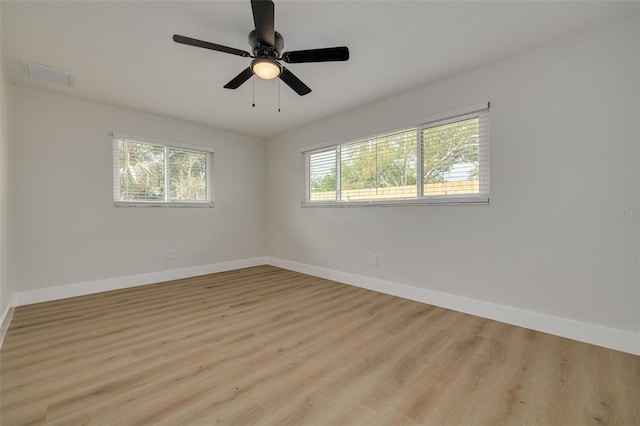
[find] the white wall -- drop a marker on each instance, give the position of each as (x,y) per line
(564,151)
(6,284)
(66,228)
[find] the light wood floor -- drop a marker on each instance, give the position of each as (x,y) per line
(266,346)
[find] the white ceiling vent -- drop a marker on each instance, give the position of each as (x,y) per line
(52,75)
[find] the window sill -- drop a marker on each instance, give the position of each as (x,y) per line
(166,204)
(431,201)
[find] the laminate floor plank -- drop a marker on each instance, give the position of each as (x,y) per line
(267,346)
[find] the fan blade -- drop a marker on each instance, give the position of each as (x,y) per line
(317,55)
(206,45)
(263,17)
(239,79)
(294,82)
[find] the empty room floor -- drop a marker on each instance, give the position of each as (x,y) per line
(267,346)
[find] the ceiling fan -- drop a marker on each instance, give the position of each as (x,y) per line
(267,44)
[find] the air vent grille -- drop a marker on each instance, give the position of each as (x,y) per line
(52,75)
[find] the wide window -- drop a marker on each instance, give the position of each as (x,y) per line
(445,160)
(152,173)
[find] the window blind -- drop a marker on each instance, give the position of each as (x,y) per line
(445,160)
(379,168)
(147,173)
(455,156)
(323,176)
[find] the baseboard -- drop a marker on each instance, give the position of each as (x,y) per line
(5,320)
(585,332)
(90,287)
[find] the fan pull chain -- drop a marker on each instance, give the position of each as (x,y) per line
(278,95)
(253,91)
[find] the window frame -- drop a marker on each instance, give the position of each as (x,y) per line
(483,197)
(166,145)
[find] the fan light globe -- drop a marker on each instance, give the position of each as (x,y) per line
(266,69)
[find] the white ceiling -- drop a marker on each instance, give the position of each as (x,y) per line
(121,52)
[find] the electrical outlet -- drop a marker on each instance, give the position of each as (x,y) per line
(373,260)
(171,254)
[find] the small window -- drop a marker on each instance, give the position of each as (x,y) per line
(455,157)
(381,168)
(152,173)
(323,175)
(443,161)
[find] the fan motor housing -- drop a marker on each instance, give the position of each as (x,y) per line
(266,52)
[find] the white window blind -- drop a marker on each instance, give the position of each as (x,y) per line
(152,173)
(443,161)
(323,176)
(380,168)
(455,157)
